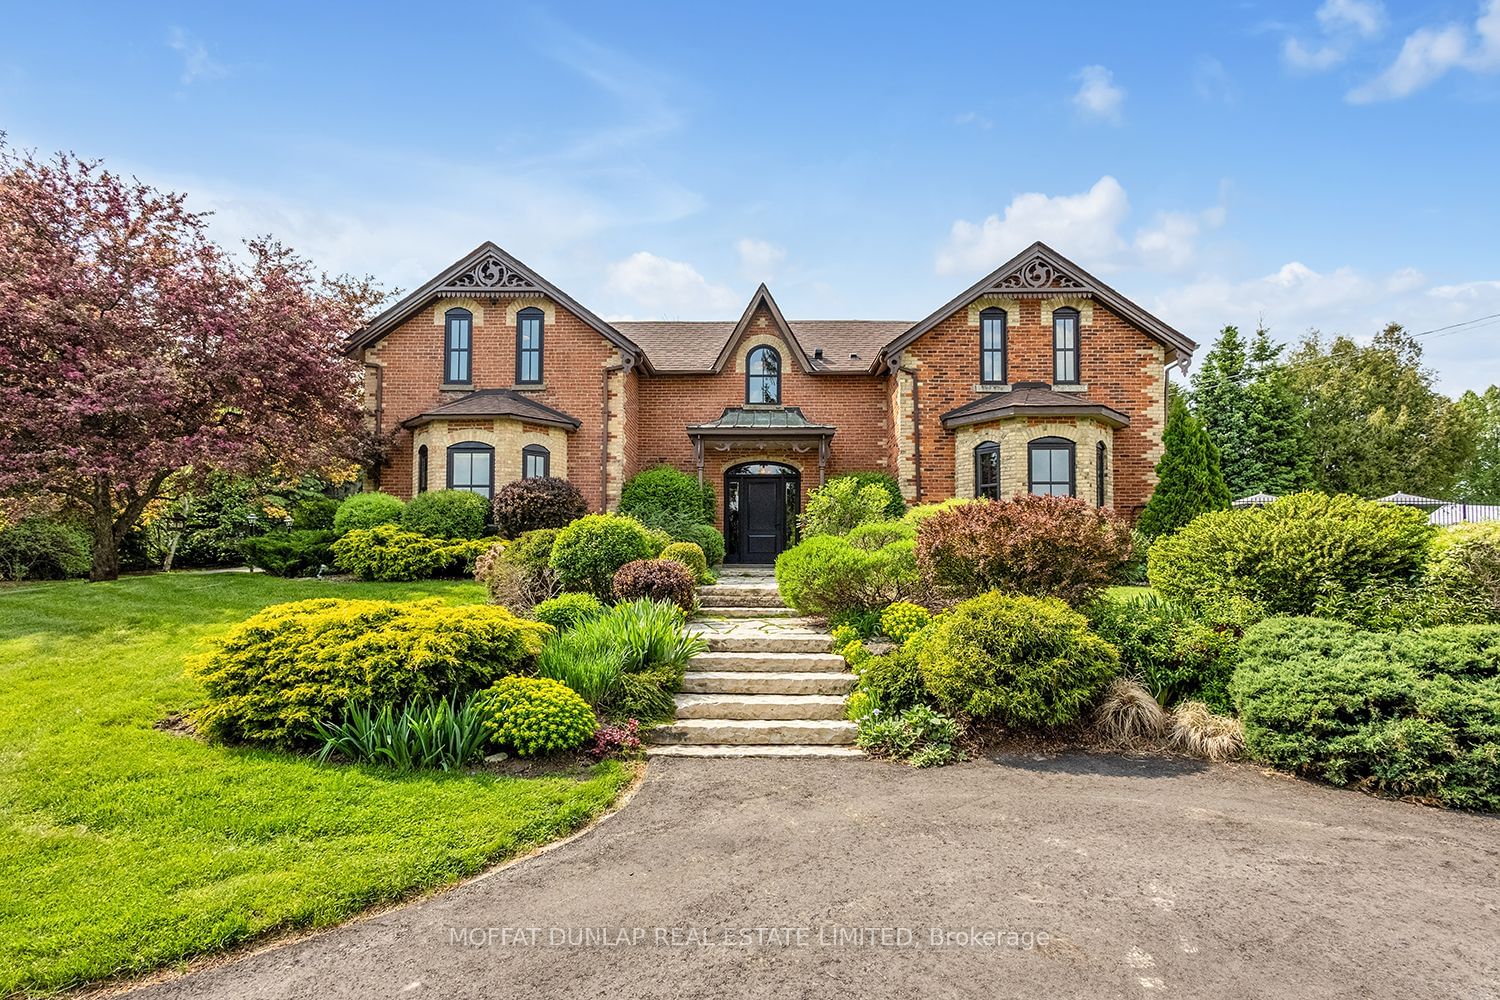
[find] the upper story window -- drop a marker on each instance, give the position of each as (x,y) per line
(987,470)
(536,462)
(529,332)
(763,376)
(458,340)
(1065,346)
(471,466)
(992,346)
(1050,466)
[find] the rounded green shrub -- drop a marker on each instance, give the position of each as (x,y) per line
(1463,578)
(691,556)
(840,505)
(826,575)
(903,620)
(1023,661)
(446,514)
(656,580)
(270,676)
(387,553)
(532,715)
(587,553)
(290,553)
(878,534)
(316,514)
(1303,553)
(664,497)
(367,510)
(566,611)
(895,504)
(524,505)
(37,548)
(709,539)
(892,681)
(1177,652)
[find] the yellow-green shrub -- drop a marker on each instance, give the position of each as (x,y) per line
(533,715)
(387,553)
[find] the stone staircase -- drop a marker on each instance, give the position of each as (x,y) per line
(769,685)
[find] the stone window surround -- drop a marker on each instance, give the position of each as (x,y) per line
(1014,435)
(506,435)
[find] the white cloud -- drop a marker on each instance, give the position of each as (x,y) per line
(1212,81)
(1314,60)
(759,259)
(1430,53)
(1344,23)
(669,288)
(1172,242)
(197,64)
(1098,97)
(1364,17)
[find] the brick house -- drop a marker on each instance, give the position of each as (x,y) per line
(1038,377)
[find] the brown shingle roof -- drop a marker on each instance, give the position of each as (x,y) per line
(1031,400)
(695,347)
(497,403)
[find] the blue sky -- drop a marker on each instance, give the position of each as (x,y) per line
(1329,165)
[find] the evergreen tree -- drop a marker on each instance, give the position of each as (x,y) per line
(1189,480)
(1222,402)
(1276,425)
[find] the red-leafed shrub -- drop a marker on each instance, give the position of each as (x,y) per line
(528,504)
(657,579)
(1042,546)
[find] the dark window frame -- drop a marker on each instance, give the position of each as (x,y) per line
(1100,466)
(422,469)
(530,313)
(449,350)
(470,447)
(985,448)
(1052,444)
(1068,312)
(992,314)
(750,374)
(533,450)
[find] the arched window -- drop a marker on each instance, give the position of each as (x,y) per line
(471,466)
(1050,467)
(458,340)
(763,376)
(1065,347)
(992,346)
(529,332)
(536,462)
(422,469)
(987,470)
(1101,466)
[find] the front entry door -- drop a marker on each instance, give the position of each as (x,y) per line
(762,518)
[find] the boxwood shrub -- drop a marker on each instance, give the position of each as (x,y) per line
(690,554)
(827,575)
(388,553)
(587,553)
(446,514)
(367,510)
(530,504)
(270,676)
(706,537)
(1022,661)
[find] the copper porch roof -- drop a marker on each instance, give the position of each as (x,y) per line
(1031,399)
(741,420)
(850,346)
(497,403)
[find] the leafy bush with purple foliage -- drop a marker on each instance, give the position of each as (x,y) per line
(528,504)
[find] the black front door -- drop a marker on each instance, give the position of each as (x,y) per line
(762,519)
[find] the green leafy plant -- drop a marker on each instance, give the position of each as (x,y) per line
(1177,652)
(840,505)
(290,553)
(707,538)
(389,553)
(525,505)
(826,575)
(315,514)
(532,715)
(367,510)
(1464,575)
(519,574)
(41,549)
(892,682)
(895,504)
(567,611)
(1023,661)
(587,553)
(657,580)
(663,497)
(441,734)
(446,514)
(920,736)
(690,554)
(903,620)
(269,677)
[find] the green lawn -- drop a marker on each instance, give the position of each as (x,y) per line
(123,848)
(1127,593)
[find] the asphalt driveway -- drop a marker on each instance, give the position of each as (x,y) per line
(1075,876)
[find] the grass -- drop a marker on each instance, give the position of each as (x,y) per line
(1127,593)
(124,848)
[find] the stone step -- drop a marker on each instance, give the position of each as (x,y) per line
(742,612)
(827,663)
(765,682)
(709,750)
(756,587)
(756,731)
(760,706)
(768,642)
(740,599)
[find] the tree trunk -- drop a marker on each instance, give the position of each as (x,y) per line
(106,564)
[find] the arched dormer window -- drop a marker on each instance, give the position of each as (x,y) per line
(536,462)
(1049,464)
(987,470)
(1065,347)
(529,334)
(763,376)
(992,347)
(471,466)
(458,347)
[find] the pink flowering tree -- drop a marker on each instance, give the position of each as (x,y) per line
(136,355)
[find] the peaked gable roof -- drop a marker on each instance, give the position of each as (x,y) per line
(485,270)
(762,297)
(1041,271)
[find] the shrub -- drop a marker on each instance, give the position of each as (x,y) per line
(36,548)
(656,580)
(1293,554)
(707,538)
(269,677)
(367,510)
(920,736)
(446,514)
(588,552)
(566,611)
(665,498)
(690,555)
(387,553)
(290,553)
(1464,574)
(903,620)
(1175,651)
(316,514)
(525,505)
(840,505)
(895,503)
(1361,708)
(825,575)
(518,574)
(892,682)
(878,534)
(440,733)
(616,740)
(533,715)
(916,515)
(1024,661)
(1039,545)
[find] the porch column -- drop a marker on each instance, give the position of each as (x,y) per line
(698,457)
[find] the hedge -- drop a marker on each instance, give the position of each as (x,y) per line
(446,514)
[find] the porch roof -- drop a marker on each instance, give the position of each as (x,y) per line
(497,403)
(771,422)
(1031,399)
